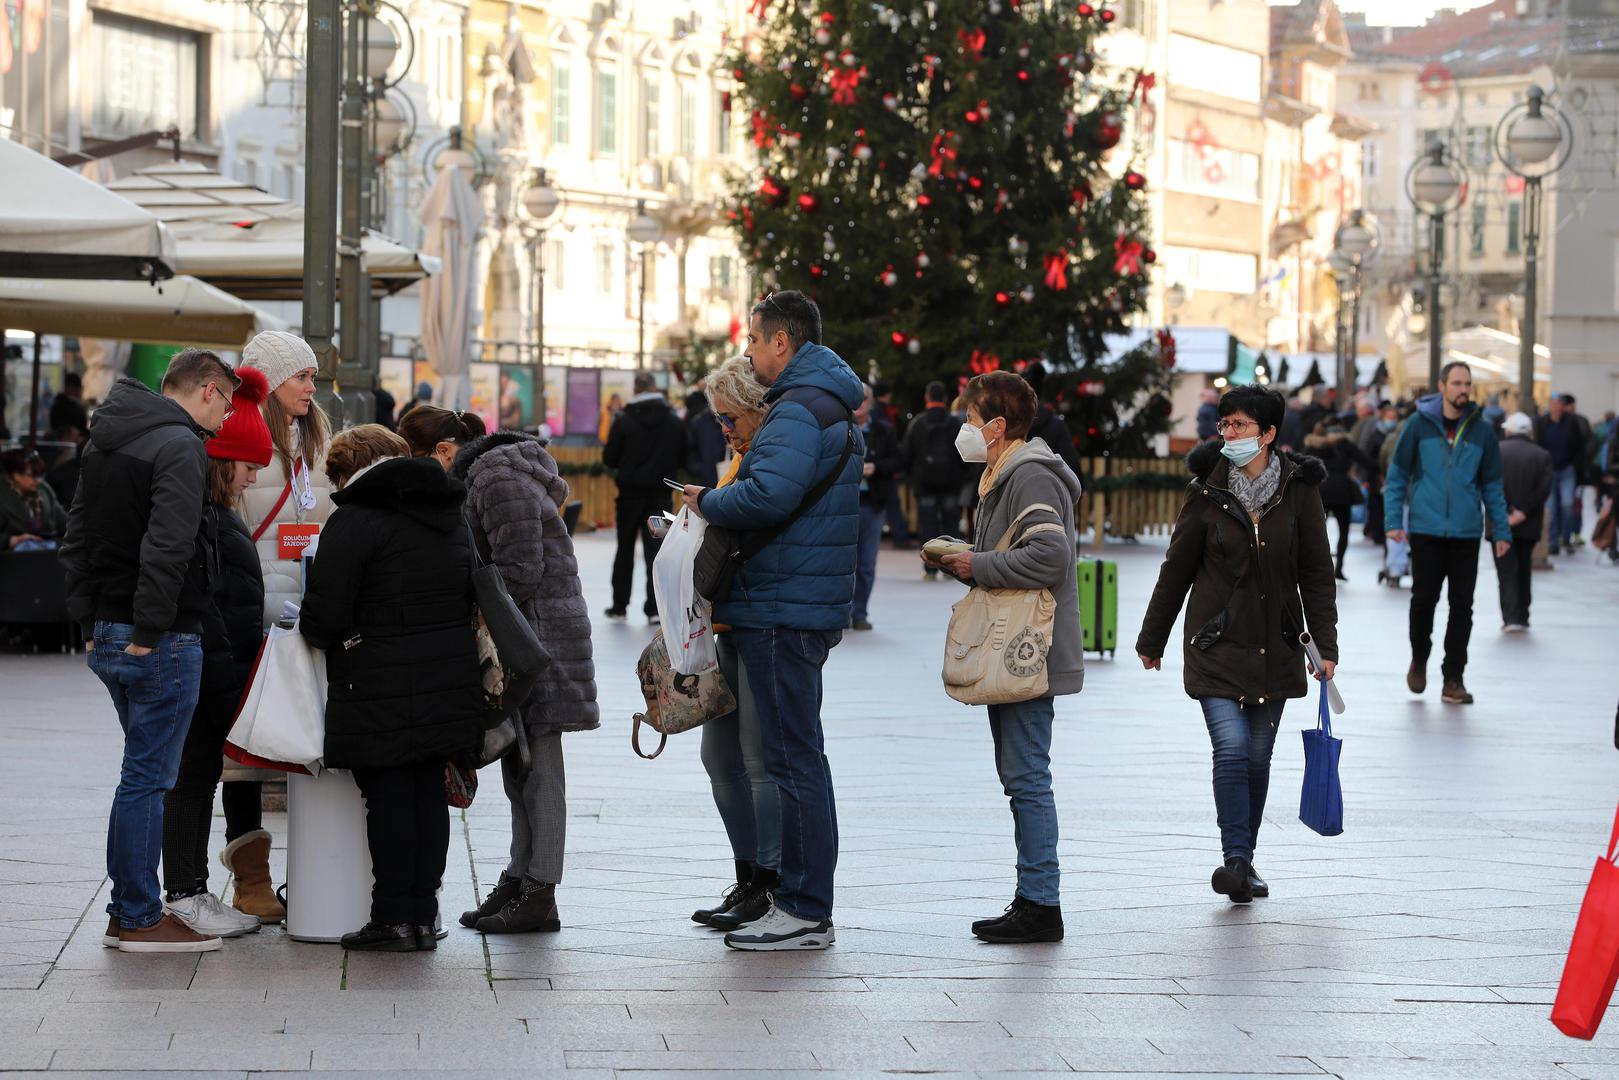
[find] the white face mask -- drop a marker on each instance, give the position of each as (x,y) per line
(971,445)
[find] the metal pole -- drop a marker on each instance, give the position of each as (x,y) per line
(1354,335)
(323,70)
(539,322)
(1526,332)
(1436,323)
(355,296)
(1338,338)
(33,395)
(640,334)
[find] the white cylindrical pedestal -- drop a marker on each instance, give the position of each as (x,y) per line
(328,860)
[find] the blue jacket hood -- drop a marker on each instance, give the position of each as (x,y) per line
(820,367)
(1433,407)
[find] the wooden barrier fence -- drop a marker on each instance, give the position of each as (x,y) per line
(1124,497)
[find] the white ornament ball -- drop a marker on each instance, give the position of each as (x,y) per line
(913,346)
(1026,294)
(829,245)
(823,36)
(863,152)
(833,155)
(890,102)
(923,261)
(890,278)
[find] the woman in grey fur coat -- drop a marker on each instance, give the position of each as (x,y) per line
(514,500)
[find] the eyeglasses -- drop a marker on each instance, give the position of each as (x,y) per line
(726,422)
(230,406)
(1231,426)
(770,298)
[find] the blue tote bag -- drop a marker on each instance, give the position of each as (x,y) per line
(1321,804)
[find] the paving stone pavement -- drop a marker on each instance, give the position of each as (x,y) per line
(1423,943)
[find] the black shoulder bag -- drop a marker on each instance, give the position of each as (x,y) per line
(511,656)
(726,551)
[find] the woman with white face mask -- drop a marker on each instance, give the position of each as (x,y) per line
(1251,546)
(1027,496)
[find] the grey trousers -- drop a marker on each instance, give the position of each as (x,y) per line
(539,810)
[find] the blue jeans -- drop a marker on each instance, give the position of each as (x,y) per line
(865,567)
(1563,508)
(1243,737)
(734,757)
(784,673)
(1022,733)
(155,696)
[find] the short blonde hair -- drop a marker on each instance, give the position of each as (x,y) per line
(735,383)
(355,448)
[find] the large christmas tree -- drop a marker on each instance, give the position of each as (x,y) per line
(934,174)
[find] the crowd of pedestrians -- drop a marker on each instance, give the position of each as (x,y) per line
(224,504)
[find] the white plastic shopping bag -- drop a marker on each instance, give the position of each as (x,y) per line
(282,719)
(688,625)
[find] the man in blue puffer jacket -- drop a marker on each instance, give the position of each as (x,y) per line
(788,606)
(1446,464)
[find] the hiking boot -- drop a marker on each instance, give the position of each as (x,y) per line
(502,894)
(1232,880)
(781,932)
(167,935)
(207,916)
(533,909)
(744,874)
(752,905)
(248,858)
(1002,917)
(1416,679)
(1256,884)
(381,937)
(1454,693)
(1026,923)
(110,938)
(426,937)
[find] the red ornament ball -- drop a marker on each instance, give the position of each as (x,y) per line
(1022,76)
(924,200)
(1149,256)
(1135,181)
(798,91)
(1110,131)
(817,271)
(1107,15)
(809,203)
(898,338)
(1086,11)
(973,116)
(1003,298)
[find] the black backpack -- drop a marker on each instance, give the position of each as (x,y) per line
(940,466)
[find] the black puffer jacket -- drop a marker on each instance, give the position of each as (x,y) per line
(647,443)
(390,600)
(233,628)
(1339,454)
(1254,587)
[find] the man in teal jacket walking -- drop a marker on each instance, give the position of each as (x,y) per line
(1447,464)
(788,605)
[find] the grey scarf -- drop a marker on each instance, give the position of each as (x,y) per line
(1254,494)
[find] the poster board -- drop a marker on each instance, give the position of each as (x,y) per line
(556,398)
(483,394)
(584,400)
(517,404)
(394,374)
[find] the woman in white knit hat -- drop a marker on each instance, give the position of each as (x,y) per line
(284,510)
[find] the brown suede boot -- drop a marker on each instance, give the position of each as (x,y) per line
(248,858)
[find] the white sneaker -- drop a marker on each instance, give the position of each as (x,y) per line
(781,932)
(206,915)
(1514,628)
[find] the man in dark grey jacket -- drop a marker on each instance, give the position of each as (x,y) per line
(138,583)
(1527,477)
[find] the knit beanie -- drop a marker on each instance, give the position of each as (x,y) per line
(279,354)
(245,436)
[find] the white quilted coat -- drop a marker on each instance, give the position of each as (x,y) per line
(283,580)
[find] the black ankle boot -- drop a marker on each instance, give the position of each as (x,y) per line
(1027,922)
(744,874)
(426,937)
(1232,880)
(751,905)
(502,894)
(533,909)
(381,937)
(1017,901)
(1256,884)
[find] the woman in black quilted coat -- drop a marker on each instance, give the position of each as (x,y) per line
(390,600)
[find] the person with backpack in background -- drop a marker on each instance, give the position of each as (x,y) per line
(934,468)
(877,484)
(646,445)
(1047,424)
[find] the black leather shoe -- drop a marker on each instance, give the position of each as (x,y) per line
(532,910)
(382,937)
(1002,917)
(1232,880)
(1027,922)
(502,894)
(744,874)
(426,938)
(1256,884)
(751,905)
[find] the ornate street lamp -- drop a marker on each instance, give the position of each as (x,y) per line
(537,202)
(644,231)
(1340,266)
(1356,243)
(1533,140)
(1435,184)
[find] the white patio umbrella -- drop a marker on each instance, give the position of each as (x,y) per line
(180,311)
(453,215)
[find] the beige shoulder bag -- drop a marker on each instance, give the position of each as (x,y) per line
(995,650)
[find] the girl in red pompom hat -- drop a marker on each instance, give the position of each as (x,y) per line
(232,632)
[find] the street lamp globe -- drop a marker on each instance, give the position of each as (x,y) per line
(381,47)
(540,199)
(1354,239)
(643,227)
(457,158)
(390,125)
(1435,182)
(1339,262)
(1534,137)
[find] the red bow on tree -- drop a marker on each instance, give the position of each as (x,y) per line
(759,8)
(761,129)
(843,81)
(939,153)
(984,362)
(972,43)
(1166,349)
(1127,255)
(1145,80)
(1057,270)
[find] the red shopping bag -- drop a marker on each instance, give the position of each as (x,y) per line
(1593,956)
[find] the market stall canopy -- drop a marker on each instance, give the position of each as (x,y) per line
(55,223)
(1491,353)
(247,241)
(180,311)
